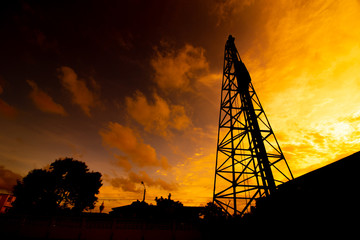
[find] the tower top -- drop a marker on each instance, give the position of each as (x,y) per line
(241,72)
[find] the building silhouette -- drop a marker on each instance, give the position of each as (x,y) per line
(5,202)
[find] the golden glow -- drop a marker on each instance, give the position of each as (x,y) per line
(303,58)
(307,79)
(304,66)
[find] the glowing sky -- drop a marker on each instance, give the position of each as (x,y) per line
(132,88)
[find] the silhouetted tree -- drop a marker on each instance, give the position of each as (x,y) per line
(168,208)
(67,185)
(167,202)
(213,212)
(35,193)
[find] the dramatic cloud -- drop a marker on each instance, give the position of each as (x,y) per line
(81,94)
(132,146)
(307,78)
(179,69)
(43,101)
(191,90)
(157,117)
(124,183)
(322,143)
(132,182)
(8,179)
(162,81)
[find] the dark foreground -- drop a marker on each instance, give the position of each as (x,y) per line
(321,204)
(40,227)
(107,228)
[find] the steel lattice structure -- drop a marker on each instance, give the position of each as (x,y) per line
(249,161)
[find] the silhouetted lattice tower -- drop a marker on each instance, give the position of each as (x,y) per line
(249,161)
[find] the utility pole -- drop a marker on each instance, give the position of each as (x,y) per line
(144,191)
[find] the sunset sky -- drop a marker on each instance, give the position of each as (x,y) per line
(132,87)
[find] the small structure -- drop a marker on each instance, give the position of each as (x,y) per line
(165,209)
(6,201)
(102,207)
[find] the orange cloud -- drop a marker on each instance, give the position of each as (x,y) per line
(158,117)
(323,143)
(81,94)
(306,74)
(43,101)
(184,74)
(132,146)
(179,69)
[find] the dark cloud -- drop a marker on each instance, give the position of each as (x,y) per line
(132,182)
(124,183)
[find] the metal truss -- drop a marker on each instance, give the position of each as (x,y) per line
(249,161)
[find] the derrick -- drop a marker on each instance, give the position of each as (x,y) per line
(249,161)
